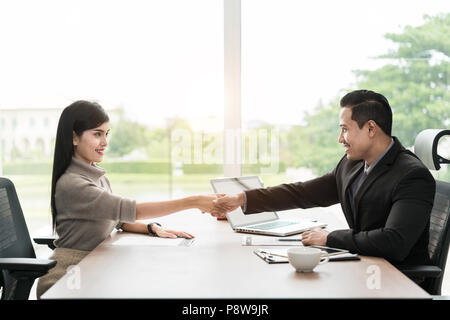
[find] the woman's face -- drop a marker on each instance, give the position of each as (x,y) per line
(91,145)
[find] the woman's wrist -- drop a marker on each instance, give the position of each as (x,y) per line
(151,227)
(192,202)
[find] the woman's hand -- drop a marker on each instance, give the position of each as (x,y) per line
(165,233)
(205,202)
(226,203)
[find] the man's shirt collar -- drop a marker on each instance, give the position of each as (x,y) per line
(368,168)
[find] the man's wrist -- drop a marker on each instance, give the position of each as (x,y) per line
(241,199)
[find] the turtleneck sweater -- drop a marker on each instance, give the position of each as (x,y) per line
(87,209)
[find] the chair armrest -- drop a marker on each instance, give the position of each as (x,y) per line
(26,264)
(421,271)
(46,241)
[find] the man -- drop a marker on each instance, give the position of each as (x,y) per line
(385,191)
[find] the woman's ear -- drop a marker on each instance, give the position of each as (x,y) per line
(75,139)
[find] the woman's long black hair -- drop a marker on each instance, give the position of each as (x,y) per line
(78,117)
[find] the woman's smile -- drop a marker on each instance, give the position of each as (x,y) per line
(100,151)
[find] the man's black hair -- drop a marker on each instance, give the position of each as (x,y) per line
(368,105)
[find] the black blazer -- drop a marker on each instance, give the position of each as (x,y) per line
(393,205)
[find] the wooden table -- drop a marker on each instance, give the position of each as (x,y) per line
(216,265)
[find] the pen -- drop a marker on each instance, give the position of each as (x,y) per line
(289,239)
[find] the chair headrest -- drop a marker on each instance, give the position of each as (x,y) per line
(426,147)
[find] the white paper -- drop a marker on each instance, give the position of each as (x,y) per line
(268,241)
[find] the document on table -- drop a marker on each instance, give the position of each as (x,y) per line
(271,255)
(142,240)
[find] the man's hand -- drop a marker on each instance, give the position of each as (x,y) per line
(205,202)
(226,203)
(315,237)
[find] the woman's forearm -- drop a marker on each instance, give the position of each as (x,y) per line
(137,227)
(149,210)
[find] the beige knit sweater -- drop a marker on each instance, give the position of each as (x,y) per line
(87,209)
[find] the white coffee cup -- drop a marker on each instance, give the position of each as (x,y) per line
(305,259)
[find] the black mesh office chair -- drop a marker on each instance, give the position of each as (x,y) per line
(18,264)
(426,148)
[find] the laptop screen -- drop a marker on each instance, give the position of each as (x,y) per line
(234,186)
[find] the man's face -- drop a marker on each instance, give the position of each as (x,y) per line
(355,140)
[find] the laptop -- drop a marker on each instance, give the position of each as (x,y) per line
(267,223)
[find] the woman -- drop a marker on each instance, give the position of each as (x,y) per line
(84,209)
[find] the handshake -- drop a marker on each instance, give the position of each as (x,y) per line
(218,205)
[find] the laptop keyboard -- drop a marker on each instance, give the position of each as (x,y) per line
(272,225)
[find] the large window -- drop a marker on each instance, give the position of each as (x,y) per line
(300,57)
(156,67)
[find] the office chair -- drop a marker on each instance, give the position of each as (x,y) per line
(18,264)
(48,241)
(426,147)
